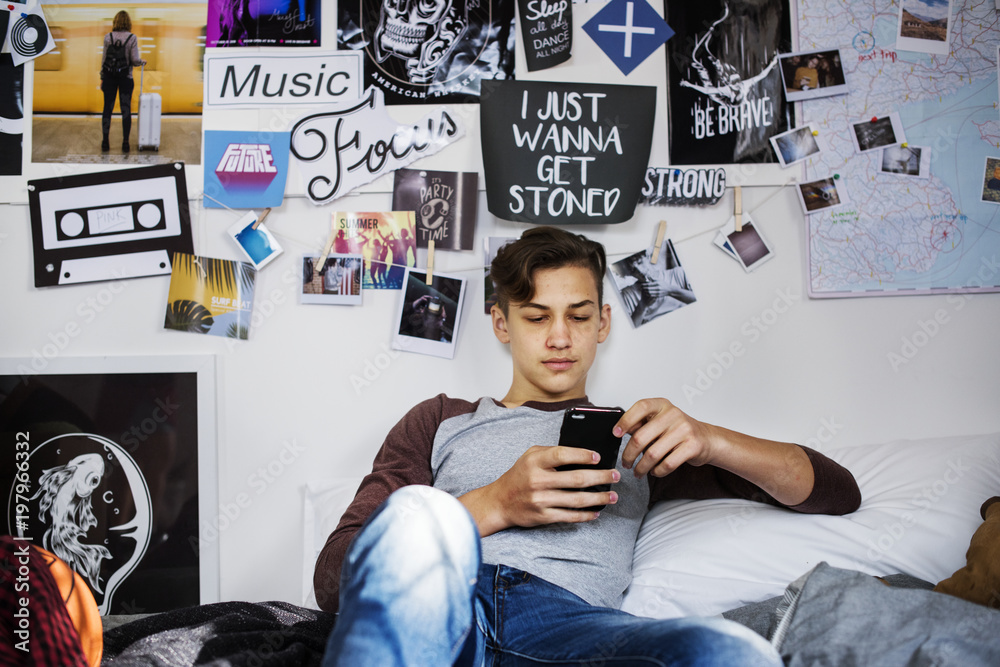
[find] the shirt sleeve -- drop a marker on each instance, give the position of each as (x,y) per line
(134,57)
(834,491)
(403,459)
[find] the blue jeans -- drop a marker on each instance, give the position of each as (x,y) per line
(413,592)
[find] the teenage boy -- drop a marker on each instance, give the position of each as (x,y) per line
(466,546)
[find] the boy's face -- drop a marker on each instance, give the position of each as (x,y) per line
(553,338)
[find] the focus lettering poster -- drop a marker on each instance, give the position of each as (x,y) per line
(565,153)
(725,96)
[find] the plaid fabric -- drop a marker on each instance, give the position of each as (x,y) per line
(35,628)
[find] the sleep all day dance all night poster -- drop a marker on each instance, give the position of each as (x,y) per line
(725,94)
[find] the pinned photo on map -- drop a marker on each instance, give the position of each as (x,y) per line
(811,74)
(991,180)
(877,132)
(795,145)
(924,26)
(914,161)
(820,195)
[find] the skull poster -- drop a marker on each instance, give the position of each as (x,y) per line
(725,94)
(103,471)
(435,51)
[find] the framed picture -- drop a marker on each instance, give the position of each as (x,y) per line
(110,463)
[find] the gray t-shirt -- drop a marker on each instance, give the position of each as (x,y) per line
(591,559)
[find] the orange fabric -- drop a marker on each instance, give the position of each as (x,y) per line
(81,607)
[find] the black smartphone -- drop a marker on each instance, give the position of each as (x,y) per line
(590,428)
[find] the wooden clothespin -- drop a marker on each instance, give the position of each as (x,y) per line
(430,261)
(260,219)
(660,233)
(738,207)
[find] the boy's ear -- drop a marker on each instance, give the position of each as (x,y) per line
(499,324)
(605,324)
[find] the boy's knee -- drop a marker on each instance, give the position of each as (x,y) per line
(426,513)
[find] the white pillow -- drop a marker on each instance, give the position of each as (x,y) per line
(324,503)
(920,507)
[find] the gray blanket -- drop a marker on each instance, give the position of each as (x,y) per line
(841,617)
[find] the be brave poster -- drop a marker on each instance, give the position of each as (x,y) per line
(565,153)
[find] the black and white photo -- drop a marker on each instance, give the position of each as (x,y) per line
(647,289)
(795,145)
(906,160)
(429,314)
(877,132)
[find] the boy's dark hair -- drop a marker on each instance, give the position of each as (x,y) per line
(513,269)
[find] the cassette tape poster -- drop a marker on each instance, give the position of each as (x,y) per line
(434,51)
(109,225)
(725,93)
(109,460)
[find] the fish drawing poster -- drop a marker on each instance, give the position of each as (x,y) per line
(725,95)
(102,469)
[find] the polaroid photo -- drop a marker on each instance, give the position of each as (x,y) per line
(912,161)
(336,282)
(649,290)
(795,145)
(826,193)
(747,246)
(924,26)
(811,74)
(259,245)
(492,245)
(429,315)
(879,132)
(991,180)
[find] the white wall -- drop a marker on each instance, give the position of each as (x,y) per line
(819,372)
(822,363)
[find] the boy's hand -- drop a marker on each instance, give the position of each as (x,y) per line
(665,437)
(534,493)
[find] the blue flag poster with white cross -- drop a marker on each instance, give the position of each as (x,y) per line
(628,31)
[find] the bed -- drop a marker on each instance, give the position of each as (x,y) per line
(826,590)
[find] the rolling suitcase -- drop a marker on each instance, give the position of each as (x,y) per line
(150,110)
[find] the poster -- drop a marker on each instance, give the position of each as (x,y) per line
(384,238)
(725,95)
(444,203)
(565,153)
(245,169)
(435,52)
(108,225)
(210,296)
(11,113)
(109,464)
(650,289)
(547,32)
(263,23)
(353,143)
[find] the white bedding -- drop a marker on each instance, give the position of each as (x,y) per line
(920,507)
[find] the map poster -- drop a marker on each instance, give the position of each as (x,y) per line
(901,236)
(436,51)
(725,95)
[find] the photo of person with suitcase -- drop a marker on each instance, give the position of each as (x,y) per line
(121,54)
